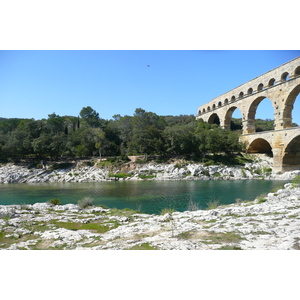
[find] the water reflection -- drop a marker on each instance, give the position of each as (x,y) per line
(147,196)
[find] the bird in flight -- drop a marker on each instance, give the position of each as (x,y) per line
(148,66)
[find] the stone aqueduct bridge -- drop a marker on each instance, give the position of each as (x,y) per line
(281,86)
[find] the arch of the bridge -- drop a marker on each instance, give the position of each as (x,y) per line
(214,119)
(282,111)
(251,109)
(289,105)
(291,157)
(228,115)
(289,152)
(260,145)
(270,82)
(281,86)
(261,88)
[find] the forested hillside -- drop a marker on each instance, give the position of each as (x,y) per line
(88,134)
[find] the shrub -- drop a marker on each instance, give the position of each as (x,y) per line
(54,201)
(206,173)
(142,176)
(238,201)
(267,170)
(177,166)
(85,202)
(261,200)
(167,210)
(296,179)
(119,175)
(57,166)
(192,206)
(209,163)
(257,171)
(213,204)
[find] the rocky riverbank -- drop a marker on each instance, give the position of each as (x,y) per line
(270,222)
(260,168)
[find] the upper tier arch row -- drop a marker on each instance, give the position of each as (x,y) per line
(275,77)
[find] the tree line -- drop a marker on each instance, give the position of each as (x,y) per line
(89,135)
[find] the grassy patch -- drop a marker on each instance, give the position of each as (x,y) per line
(42,226)
(261,200)
(96,242)
(230,248)
(227,237)
(94,227)
(144,246)
(167,210)
(212,221)
(296,180)
(126,212)
(6,242)
(119,175)
(239,224)
(259,232)
(185,235)
(146,176)
(193,235)
(292,216)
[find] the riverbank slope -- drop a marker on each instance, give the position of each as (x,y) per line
(259,167)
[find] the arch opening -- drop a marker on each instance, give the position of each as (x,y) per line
(292,105)
(291,159)
(219,104)
(260,146)
(214,119)
(297,71)
(233,119)
(285,76)
(260,87)
(226,101)
(295,112)
(261,115)
(272,82)
(250,91)
(232,99)
(241,95)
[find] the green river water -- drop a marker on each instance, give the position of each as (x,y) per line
(146,196)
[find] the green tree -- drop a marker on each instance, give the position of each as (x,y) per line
(42,145)
(180,139)
(147,127)
(90,117)
(99,139)
(55,123)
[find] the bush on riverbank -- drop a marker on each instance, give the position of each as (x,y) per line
(55,201)
(296,180)
(85,202)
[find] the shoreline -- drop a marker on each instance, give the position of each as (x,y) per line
(272,222)
(181,170)
(269,222)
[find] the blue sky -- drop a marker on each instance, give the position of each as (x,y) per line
(34,84)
